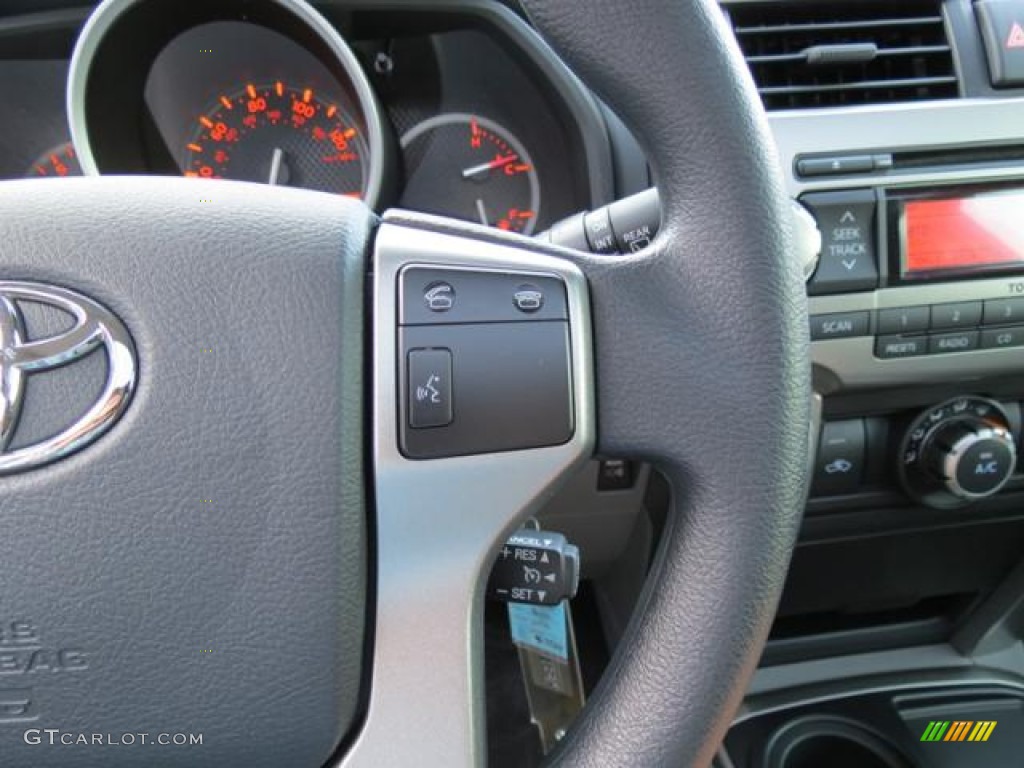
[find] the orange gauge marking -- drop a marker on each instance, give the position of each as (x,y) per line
(332,111)
(349,133)
(195,147)
(226,102)
(307,95)
(207,122)
(279,87)
(251,90)
(353,195)
(191,174)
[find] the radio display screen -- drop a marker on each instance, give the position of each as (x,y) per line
(970,234)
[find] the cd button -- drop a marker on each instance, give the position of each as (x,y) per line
(1000,338)
(964,314)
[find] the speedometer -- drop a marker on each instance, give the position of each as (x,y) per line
(279,134)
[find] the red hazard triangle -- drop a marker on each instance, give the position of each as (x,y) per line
(1016,38)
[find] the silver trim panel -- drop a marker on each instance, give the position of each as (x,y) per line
(439,522)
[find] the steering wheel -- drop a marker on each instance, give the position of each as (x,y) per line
(249,552)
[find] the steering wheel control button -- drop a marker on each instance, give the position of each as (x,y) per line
(898,347)
(439,297)
(957,452)
(848,260)
(600,236)
(431,296)
(430,388)
(843,325)
(964,314)
(513,383)
(528,298)
(903,320)
(536,567)
(842,453)
(1002,27)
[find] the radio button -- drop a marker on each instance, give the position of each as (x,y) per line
(964,314)
(943,343)
(895,347)
(1001,338)
(847,224)
(999,311)
(839,326)
(904,320)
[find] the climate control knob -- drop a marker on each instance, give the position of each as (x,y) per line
(958,452)
(974,459)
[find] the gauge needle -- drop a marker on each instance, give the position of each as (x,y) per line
(483,212)
(497,162)
(275,166)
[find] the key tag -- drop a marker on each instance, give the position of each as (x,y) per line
(546,643)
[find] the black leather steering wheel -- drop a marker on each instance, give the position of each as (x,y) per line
(245,553)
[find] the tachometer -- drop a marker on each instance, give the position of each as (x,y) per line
(471,168)
(278,134)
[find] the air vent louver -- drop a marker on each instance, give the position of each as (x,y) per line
(806,55)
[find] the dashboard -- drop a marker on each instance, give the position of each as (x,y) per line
(461,112)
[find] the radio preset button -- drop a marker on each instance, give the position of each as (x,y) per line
(962,314)
(843,325)
(895,347)
(847,224)
(999,311)
(1002,338)
(903,320)
(943,343)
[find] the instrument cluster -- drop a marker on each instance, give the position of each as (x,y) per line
(437,117)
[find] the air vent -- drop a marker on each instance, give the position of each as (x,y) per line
(806,55)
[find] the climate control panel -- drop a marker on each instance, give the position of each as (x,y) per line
(960,451)
(945,456)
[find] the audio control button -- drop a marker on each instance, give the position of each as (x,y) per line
(944,343)
(903,320)
(1000,311)
(843,325)
(847,224)
(896,347)
(962,314)
(1001,338)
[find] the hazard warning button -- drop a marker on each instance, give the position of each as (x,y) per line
(1002,27)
